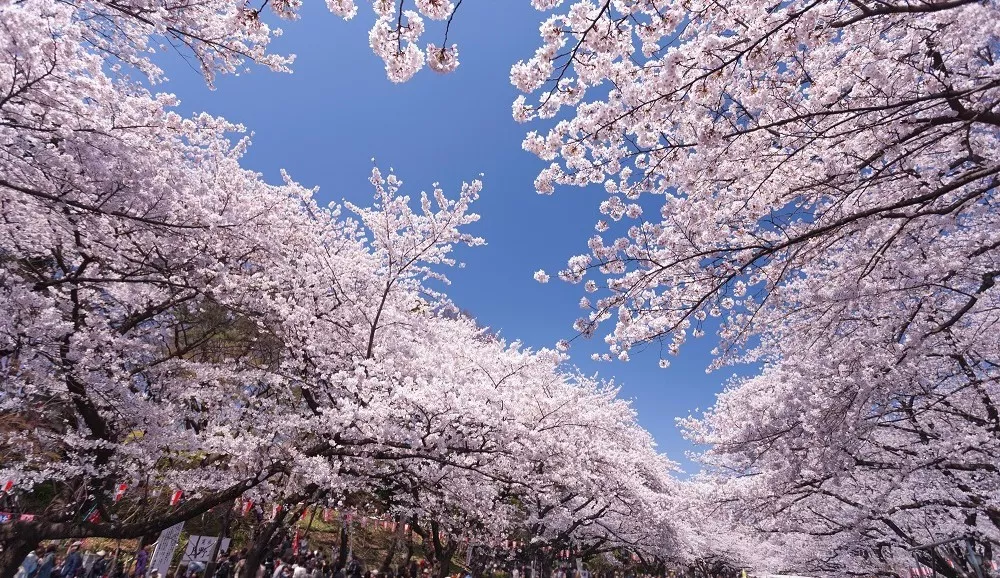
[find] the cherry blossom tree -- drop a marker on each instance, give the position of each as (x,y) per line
(160,302)
(123,223)
(860,469)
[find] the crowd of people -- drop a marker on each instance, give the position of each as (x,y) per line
(283,563)
(279,562)
(287,555)
(46,562)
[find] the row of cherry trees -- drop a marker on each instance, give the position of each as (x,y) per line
(845,155)
(813,180)
(172,322)
(816,181)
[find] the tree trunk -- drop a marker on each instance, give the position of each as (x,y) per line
(477,562)
(397,536)
(442,552)
(545,564)
(213,560)
(409,551)
(309,526)
(342,553)
(255,554)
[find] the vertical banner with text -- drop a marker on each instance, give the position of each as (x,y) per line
(164,551)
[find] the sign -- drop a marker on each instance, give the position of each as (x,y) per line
(200,548)
(164,551)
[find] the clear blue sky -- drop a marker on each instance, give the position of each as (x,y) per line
(325,122)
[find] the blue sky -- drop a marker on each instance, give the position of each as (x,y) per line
(324,122)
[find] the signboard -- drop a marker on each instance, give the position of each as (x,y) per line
(164,551)
(200,548)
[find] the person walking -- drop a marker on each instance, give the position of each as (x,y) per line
(270,566)
(29,566)
(100,565)
(241,561)
(47,566)
(141,561)
(225,567)
(73,563)
(281,567)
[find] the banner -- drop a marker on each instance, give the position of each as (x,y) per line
(164,551)
(10,516)
(200,548)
